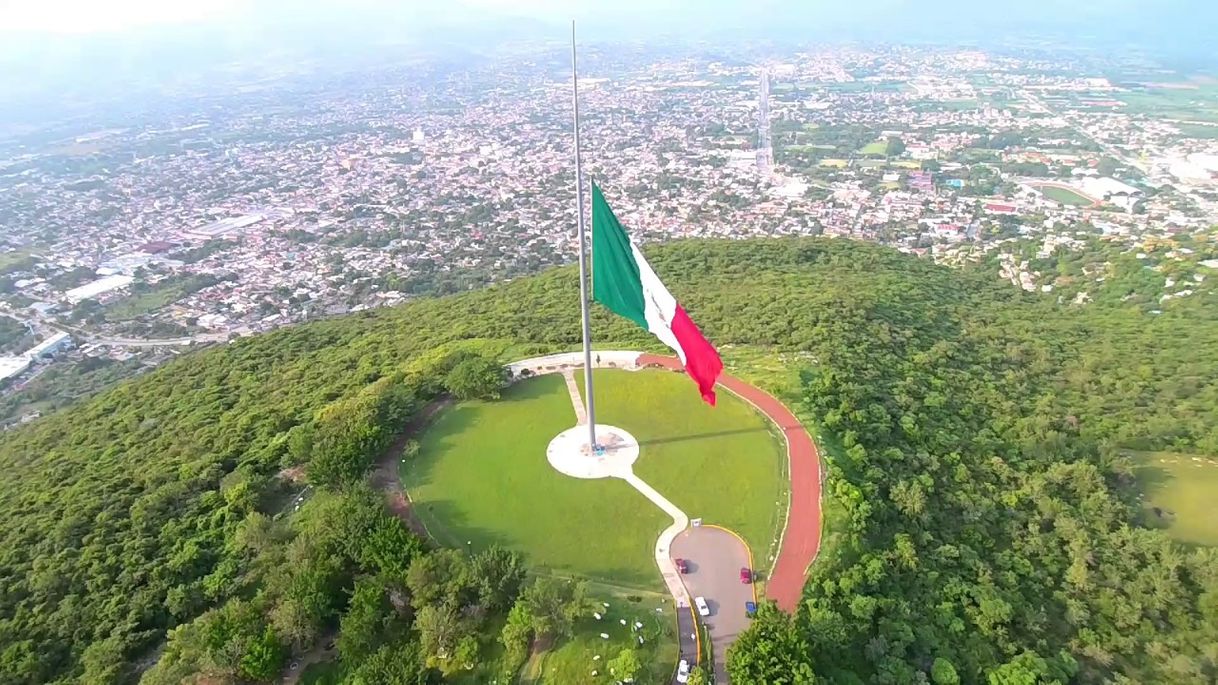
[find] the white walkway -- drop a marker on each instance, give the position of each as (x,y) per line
(581,414)
(569,450)
(668,569)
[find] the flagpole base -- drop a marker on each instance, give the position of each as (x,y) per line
(612,457)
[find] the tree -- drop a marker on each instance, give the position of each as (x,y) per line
(497,573)
(309,601)
(263,658)
(517,634)
(697,676)
(553,604)
(395,663)
(476,377)
(942,672)
(626,665)
(389,549)
(349,434)
(103,662)
(366,621)
(295,623)
(439,627)
(465,657)
(229,642)
(771,650)
(443,576)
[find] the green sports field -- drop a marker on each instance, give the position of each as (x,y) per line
(878,147)
(1064,196)
(481,475)
(1183,487)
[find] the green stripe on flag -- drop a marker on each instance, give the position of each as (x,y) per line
(615,275)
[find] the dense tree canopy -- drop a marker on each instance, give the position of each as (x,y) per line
(989,524)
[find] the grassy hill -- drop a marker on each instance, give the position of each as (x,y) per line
(988,511)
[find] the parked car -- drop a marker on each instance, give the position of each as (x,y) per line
(703,609)
(750,609)
(746,576)
(682,565)
(683,671)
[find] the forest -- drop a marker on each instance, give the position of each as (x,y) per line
(989,524)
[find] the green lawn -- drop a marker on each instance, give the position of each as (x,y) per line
(572,661)
(16,260)
(724,464)
(147,300)
(878,147)
(481,476)
(1198,104)
(134,306)
(1064,196)
(1184,487)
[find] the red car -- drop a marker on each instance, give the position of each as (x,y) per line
(746,576)
(682,565)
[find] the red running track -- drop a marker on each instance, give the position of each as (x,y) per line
(801,539)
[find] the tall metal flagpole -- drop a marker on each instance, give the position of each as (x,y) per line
(583,255)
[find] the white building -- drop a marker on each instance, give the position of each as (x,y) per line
(95,288)
(13,366)
(51,346)
(1105,188)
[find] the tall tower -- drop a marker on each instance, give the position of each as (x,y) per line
(765,148)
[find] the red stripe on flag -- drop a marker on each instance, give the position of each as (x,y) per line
(702,362)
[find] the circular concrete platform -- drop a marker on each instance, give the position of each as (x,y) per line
(568,452)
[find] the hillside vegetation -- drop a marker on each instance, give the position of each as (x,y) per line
(992,523)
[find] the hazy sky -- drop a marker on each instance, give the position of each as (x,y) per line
(89,16)
(92,16)
(1172,25)
(102,16)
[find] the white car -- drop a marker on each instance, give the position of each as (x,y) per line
(703,610)
(683,671)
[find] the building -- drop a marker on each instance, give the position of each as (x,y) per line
(13,366)
(51,346)
(997,208)
(225,226)
(156,247)
(95,288)
(1107,188)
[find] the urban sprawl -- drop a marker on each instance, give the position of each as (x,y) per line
(277,200)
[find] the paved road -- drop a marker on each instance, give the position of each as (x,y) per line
(715,557)
(687,642)
(158,342)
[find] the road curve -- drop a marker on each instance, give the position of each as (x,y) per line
(801,534)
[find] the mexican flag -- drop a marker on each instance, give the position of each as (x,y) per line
(624,282)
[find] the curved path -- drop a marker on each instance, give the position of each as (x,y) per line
(801,534)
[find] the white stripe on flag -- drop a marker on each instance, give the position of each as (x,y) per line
(659,304)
